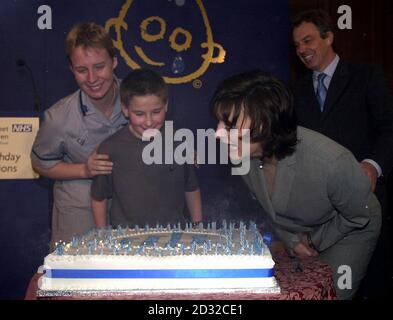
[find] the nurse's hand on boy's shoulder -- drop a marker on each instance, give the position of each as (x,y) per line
(98,164)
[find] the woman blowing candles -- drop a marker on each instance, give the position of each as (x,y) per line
(311,188)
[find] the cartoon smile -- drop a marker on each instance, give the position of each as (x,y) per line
(146,59)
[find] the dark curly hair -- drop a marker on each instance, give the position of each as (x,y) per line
(267,102)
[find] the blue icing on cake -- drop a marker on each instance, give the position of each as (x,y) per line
(126,243)
(162,241)
(150,241)
(163,258)
(175,237)
(199,239)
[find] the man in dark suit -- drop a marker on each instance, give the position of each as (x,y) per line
(351,104)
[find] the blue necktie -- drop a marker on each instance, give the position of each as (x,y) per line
(321,90)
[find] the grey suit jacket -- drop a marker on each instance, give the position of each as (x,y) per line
(320,189)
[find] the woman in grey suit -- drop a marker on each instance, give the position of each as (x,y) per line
(311,188)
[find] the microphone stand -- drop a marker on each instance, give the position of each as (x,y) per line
(37,99)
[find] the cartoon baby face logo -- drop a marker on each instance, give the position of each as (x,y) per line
(179,48)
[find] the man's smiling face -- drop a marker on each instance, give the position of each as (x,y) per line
(314,51)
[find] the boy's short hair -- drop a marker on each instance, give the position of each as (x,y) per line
(88,35)
(142,82)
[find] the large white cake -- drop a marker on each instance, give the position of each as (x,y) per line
(159,258)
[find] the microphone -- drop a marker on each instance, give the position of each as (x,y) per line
(37,99)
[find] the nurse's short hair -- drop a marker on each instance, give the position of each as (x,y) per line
(88,35)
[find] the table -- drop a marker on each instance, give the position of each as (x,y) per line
(314,282)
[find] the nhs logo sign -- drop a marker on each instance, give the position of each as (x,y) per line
(22,127)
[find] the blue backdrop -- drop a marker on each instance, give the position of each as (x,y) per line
(194,44)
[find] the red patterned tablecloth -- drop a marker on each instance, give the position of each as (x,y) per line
(314,282)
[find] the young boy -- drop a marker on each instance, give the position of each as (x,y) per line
(143,193)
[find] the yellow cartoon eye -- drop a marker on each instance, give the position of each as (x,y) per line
(180,47)
(152,37)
